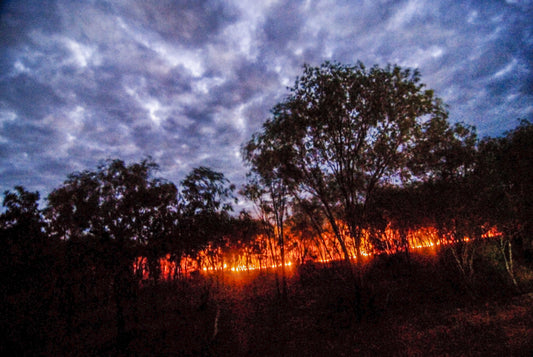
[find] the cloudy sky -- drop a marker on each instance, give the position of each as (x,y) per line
(188,82)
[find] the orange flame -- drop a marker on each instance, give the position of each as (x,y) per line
(298,251)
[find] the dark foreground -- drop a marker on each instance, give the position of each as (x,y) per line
(408,309)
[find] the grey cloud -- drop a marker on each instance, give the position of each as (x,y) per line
(249,80)
(189,22)
(17,20)
(283,24)
(13,176)
(52,165)
(166,86)
(6,150)
(95,80)
(28,97)
(28,137)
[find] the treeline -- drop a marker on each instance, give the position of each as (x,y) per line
(355,161)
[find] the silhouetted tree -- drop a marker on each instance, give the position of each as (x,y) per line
(344,130)
(124,209)
(256,193)
(21,225)
(390,209)
(207,200)
(242,237)
(448,158)
(26,274)
(271,195)
(504,172)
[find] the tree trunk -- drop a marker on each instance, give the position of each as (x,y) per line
(283,273)
(507,252)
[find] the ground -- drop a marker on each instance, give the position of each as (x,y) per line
(407,308)
(407,313)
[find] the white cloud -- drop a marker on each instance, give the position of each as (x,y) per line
(192,60)
(405,14)
(507,69)
(82,55)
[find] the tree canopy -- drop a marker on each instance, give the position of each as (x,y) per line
(117,200)
(344,130)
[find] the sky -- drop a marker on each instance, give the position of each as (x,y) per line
(188,82)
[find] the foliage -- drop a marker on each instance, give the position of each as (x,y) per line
(207,191)
(505,168)
(207,201)
(342,132)
(27,267)
(117,200)
(271,196)
(23,245)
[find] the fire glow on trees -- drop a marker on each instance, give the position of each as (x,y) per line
(366,155)
(299,252)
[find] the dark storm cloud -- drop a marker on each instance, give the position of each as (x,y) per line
(187,82)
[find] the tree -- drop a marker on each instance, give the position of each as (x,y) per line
(123,208)
(21,208)
(307,222)
(508,163)
(21,224)
(271,196)
(117,201)
(342,132)
(27,259)
(22,239)
(504,169)
(244,245)
(207,191)
(207,200)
